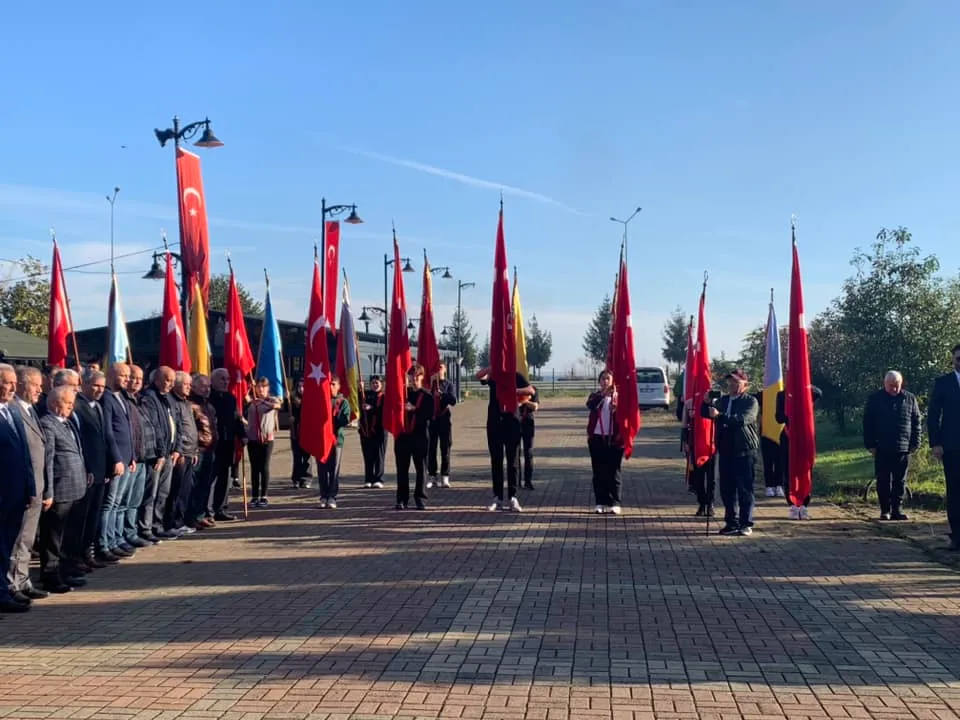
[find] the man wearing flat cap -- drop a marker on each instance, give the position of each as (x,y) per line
(738,440)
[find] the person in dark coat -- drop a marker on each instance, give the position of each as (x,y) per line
(373,438)
(230,428)
(17,484)
(441,429)
(118,431)
(943,425)
(891,433)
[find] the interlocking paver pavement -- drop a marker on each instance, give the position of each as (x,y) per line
(553,614)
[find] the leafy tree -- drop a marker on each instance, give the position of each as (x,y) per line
(539,346)
(461,329)
(219,288)
(597,337)
(720,367)
(483,359)
(674,337)
(25,297)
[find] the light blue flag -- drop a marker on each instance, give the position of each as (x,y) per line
(118,346)
(270,357)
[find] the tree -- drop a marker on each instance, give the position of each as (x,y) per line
(219,288)
(25,298)
(753,352)
(483,359)
(674,337)
(720,367)
(539,346)
(597,337)
(468,346)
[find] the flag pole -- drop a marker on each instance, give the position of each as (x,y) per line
(263,321)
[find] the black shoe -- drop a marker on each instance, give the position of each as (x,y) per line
(224,517)
(126,547)
(56,586)
(421,505)
(19,597)
(897,515)
(138,543)
(107,558)
(94,563)
(119,552)
(708,511)
(729,530)
(150,538)
(34,594)
(400,506)
(73,581)
(12,606)
(701,511)
(528,485)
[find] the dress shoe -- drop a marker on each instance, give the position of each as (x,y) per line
(127,548)
(11,606)
(83,568)
(56,586)
(34,594)
(107,558)
(224,517)
(75,581)
(898,515)
(138,542)
(150,538)
(701,511)
(120,552)
(19,597)
(94,563)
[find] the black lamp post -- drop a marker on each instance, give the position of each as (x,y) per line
(444,269)
(207,140)
(461,286)
(333,211)
(157,272)
(366,319)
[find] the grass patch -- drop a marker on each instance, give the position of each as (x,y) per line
(844,467)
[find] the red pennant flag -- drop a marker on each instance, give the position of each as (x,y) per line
(702,437)
(428,352)
(194,234)
(798,400)
(625,366)
(398,354)
(237,355)
(59,326)
(174,352)
(316,411)
(331,260)
(503,341)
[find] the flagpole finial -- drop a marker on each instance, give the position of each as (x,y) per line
(229,262)
(501,199)
(316,254)
(53,235)
(793,222)
(771,296)
(266,277)
(163,239)
(706,276)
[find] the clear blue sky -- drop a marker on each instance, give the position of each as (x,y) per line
(720,119)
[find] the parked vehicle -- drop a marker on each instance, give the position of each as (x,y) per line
(652,388)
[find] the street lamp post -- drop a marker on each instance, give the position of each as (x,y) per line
(112,199)
(365,319)
(333,211)
(207,140)
(157,272)
(460,288)
(625,223)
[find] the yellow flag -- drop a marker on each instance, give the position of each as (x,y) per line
(518,331)
(199,340)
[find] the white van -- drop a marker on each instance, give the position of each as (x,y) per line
(652,387)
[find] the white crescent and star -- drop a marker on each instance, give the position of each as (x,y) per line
(332,251)
(192,191)
(173,328)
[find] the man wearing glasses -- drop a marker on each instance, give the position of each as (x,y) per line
(943,425)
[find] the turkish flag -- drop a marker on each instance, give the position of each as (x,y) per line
(194,234)
(428,353)
(798,400)
(174,352)
(316,411)
(398,354)
(702,438)
(331,260)
(59,326)
(625,366)
(237,355)
(503,340)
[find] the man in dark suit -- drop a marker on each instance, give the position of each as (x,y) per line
(119,435)
(16,480)
(100,464)
(943,425)
(29,384)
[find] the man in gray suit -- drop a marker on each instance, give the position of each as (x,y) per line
(29,385)
(16,479)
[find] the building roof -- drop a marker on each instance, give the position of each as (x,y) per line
(15,345)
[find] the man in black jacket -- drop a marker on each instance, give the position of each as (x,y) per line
(441,429)
(891,432)
(163,455)
(943,424)
(229,428)
(738,440)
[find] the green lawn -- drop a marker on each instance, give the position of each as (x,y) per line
(843,468)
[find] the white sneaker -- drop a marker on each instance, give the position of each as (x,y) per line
(615,509)
(771,492)
(600,510)
(378,484)
(331,504)
(430,483)
(804,513)
(368,485)
(778,491)
(495,505)
(515,505)
(794,513)
(445,481)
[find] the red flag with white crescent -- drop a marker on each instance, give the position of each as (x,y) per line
(237,355)
(702,438)
(316,411)
(503,339)
(399,359)
(625,366)
(174,351)
(331,263)
(798,398)
(59,326)
(194,233)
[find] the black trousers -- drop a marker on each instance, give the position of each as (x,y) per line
(260,454)
(770,452)
(527,432)
(374,450)
(605,459)
(11,519)
(503,440)
(181,488)
(301,459)
(328,473)
(737,474)
(56,526)
(92,514)
(441,438)
(890,470)
(703,481)
(222,463)
(412,446)
(951,474)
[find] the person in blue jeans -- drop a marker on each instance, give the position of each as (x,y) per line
(143,437)
(738,440)
(118,430)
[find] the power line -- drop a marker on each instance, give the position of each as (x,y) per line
(79,267)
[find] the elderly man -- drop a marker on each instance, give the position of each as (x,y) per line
(144,438)
(29,384)
(188,451)
(199,511)
(230,428)
(60,377)
(891,432)
(157,410)
(738,440)
(17,485)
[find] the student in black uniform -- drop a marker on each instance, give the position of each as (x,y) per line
(373,439)
(412,444)
(503,438)
(529,404)
(441,428)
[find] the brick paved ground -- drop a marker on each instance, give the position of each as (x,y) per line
(459,613)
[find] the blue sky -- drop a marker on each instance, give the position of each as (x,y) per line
(719,119)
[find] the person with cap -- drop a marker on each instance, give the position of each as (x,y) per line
(738,440)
